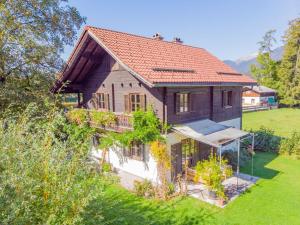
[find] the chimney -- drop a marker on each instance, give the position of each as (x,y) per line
(157,36)
(177,40)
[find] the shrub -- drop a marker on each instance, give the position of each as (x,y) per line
(171,189)
(265,140)
(102,118)
(44,175)
(291,146)
(144,188)
(78,116)
(106,167)
(231,156)
(213,174)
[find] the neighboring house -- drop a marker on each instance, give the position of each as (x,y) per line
(187,86)
(259,96)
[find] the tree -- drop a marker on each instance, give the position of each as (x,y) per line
(289,71)
(44,174)
(266,72)
(33,34)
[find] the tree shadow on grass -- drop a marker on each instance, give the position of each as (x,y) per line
(260,165)
(118,206)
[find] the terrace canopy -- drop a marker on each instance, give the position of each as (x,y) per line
(210,132)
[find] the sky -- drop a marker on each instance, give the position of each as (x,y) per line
(229,29)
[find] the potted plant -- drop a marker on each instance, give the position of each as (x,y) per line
(212,171)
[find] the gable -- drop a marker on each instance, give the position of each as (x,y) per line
(154,62)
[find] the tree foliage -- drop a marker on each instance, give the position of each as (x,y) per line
(289,71)
(44,175)
(266,72)
(33,34)
(283,75)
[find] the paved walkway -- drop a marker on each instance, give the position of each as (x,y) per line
(233,186)
(127,179)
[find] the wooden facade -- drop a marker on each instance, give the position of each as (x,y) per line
(112,80)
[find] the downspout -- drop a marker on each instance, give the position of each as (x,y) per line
(164,105)
(211,106)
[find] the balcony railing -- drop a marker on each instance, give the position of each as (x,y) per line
(122,123)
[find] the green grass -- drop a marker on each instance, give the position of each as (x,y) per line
(274,200)
(283,121)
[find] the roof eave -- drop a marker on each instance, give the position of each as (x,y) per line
(194,84)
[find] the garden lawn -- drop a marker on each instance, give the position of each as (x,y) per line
(283,121)
(274,200)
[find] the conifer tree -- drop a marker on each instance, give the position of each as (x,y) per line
(289,71)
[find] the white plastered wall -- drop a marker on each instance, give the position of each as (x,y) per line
(251,100)
(147,169)
(144,169)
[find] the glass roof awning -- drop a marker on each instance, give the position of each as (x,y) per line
(209,132)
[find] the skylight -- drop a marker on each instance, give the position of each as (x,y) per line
(173,70)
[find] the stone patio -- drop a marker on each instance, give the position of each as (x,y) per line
(234,186)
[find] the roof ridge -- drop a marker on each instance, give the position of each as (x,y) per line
(137,35)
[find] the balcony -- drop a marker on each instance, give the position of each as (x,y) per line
(122,123)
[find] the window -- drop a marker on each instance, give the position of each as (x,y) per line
(101,101)
(227,98)
(182,102)
(135,151)
(134,102)
(252,101)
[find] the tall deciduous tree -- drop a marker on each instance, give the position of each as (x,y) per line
(289,71)
(33,34)
(266,72)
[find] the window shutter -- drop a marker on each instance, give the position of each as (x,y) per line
(126,103)
(223,98)
(94,101)
(143,102)
(176,103)
(190,102)
(106,101)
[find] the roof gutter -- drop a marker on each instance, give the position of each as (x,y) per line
(200,84)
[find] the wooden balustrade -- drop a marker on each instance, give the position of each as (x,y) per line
(123,122)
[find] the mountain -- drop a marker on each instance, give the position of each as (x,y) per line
(242,64)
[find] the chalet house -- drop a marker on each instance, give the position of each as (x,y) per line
(259,95)
(189,88)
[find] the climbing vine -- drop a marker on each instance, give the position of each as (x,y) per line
(147,129)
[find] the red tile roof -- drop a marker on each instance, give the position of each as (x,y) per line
(158,61)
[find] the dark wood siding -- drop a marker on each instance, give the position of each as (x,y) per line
(199,105)
(112,79)
(220,113)
(204,105)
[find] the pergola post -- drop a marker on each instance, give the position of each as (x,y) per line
(238,164)
(252,149)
